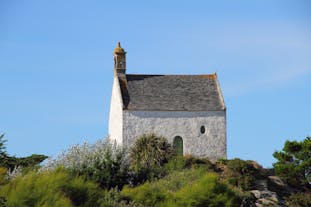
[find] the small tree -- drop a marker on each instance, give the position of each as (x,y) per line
(2,146)
(150,150)
(147,154)
(294,162)
(12,162)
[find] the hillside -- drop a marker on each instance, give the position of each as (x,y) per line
(149,174)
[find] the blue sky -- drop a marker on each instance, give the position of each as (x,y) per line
(56,66)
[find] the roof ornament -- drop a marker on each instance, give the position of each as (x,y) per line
(119,49)
(119,59)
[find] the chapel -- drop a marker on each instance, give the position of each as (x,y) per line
(188,110)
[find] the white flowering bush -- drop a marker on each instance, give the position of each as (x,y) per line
(17,171)
(103,162)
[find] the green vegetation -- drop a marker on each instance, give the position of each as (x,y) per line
(150,150)
(175,190)
(301,199)
(12,162)
(102,162)
(55,188)
(102,175)
(147,155)
(2,146)
(243,174)
(294,163)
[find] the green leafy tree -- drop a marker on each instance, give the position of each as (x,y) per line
(294,162)
(2,146)
(12,162)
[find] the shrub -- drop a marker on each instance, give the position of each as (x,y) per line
(2,201)
(147,155)
(186,162)
(148,194)
(51,189)
(191,187)
(3,175)
(102,162)
(176,163)
(242,173)
(157,192)
(149,150)
(299,200)
(207,191)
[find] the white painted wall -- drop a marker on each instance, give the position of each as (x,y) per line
(115,114)
(211,144)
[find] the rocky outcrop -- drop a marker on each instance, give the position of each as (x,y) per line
(267,198)
(270,192)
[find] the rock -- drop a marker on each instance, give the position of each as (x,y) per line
(275,180)
(261,184)
(276,184)
(256,165)
(266,198)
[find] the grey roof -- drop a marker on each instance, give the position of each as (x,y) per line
(171,92)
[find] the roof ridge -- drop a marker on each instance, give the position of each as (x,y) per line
(212,76)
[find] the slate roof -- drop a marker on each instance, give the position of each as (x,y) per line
(171,92)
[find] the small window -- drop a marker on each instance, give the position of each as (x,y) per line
(202,129)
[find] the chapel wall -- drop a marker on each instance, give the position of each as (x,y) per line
(187,124)
(115,114)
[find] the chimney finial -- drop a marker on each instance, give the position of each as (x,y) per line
(119,59)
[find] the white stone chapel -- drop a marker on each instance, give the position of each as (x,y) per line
(188,110)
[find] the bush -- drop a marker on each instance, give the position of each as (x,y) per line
(191,187)
(242,173)
(51,189)
(148,194)
(149,150)
(102,162)
(207,191)
(3,175)
(161,188)
(299,200)
(147,155)
(2,201)
(178,163)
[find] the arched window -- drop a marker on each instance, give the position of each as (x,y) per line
(178,146)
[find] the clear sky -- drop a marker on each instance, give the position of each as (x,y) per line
(56,66)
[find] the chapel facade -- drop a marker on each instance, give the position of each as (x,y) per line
(188,110)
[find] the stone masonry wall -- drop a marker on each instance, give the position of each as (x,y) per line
(211,144)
